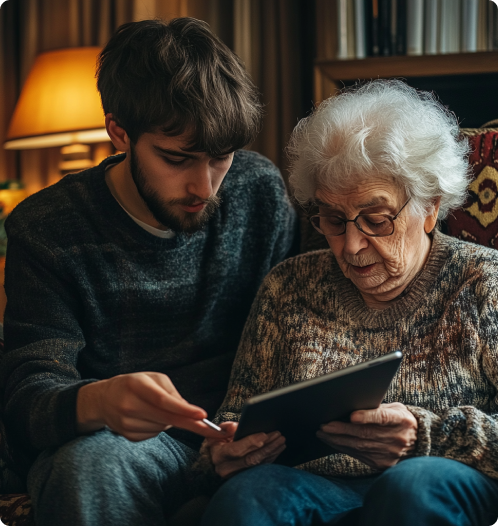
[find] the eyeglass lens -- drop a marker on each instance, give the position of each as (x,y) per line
(373,224)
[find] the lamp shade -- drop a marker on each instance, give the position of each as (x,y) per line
(59,103)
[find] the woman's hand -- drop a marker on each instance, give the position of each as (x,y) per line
(230,457)
(378,437)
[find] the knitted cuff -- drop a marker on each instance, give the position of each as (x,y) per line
(424,420)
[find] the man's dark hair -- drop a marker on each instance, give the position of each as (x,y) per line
(177,78)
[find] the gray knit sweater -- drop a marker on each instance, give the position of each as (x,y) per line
(92,295)
(308,320)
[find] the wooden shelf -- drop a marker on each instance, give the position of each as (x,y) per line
(334,71)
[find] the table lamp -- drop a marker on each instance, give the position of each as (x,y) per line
(60,106)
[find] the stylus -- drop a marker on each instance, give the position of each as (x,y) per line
(212,426)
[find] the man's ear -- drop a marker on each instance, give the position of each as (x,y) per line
(431,219)
(118,135)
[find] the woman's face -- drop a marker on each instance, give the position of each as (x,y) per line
(380,267)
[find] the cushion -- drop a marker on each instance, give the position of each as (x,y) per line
(15,510)
(477,220)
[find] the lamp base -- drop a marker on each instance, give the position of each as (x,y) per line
(74,158)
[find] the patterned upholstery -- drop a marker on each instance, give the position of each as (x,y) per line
(15,509)
(477,220)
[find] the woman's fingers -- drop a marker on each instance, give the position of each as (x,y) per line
(274,456)
(367,431)
(240,448)
(230,458)
(385,415)
(267,451)
(229,427)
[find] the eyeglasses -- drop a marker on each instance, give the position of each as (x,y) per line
(374,225)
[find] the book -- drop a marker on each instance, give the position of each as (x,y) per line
(470,11)
(360,29)
(431,26)
(449,33)
(415,26)
(400,27)
(373,16)
(489,21)
(385,28)
(482,25)
(342,29)
(351,29)
(495,28)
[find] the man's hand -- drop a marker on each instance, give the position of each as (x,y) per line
(137,406)
(378,437)
(230,457)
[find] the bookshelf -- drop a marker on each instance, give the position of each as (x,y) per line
(329,73)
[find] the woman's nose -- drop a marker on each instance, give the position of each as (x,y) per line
(355,240)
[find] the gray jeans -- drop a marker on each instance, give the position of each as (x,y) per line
(105,479)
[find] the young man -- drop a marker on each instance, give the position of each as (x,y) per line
(128,284)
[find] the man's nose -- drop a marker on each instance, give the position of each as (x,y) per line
(201,182)
(355,240)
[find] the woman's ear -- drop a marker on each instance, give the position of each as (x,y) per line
(431,219)
(118,135)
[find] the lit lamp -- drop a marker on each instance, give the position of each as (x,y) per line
(60,106)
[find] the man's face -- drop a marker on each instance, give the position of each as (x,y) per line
(178,187)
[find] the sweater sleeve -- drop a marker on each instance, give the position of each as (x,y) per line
(256,366)
(287,230)
(466,433)
(43,337)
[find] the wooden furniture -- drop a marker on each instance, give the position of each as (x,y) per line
(330,72)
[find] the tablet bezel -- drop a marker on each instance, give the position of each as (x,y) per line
(361,386)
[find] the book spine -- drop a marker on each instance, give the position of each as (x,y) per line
(393,25)
(431,27)
(351,29)
(482,26)
(449,41)
(415,24)
(401,27)
(342,29)
(385,27)
(470,11)
(489,19)
(495,28)
(375,28)
(360,29)
(456,27)
(444,22)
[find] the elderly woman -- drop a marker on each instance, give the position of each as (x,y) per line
(383,163)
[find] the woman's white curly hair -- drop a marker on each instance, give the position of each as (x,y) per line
(382,128)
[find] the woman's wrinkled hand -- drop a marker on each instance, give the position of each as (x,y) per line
(230,457)
(378,437)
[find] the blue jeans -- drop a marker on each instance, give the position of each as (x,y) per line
(424,491)
(104,479)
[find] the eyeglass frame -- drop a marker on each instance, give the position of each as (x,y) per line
(346,221)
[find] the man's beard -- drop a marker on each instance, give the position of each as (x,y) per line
(162,210)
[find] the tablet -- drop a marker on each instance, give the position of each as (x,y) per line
(298,410)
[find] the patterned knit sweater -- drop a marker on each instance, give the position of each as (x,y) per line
(91,294)
(308,320)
